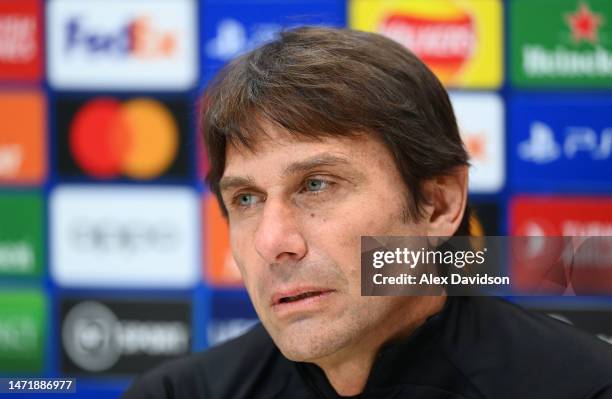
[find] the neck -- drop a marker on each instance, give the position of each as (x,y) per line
(348,370)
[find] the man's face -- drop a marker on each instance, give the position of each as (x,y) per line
(297,209)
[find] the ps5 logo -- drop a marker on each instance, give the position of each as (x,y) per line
(232,38)
(542,148)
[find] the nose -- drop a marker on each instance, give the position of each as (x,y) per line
(278,237)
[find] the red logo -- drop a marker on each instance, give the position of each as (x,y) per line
(136,138)
(20,40)
(584,24)
(443,44)
(576,259)
(561,216)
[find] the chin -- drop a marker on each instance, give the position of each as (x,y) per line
(308,343)
(302,352)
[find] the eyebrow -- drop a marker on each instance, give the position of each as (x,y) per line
(229,182)
(314,162)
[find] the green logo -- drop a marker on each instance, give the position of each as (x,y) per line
(561,43)
(21,235)
(22,326)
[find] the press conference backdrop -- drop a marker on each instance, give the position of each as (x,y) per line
(113,254)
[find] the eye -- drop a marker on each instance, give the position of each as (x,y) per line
(315,185)
(245,200)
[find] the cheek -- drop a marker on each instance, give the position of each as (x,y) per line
(338,235)
(246,260)
(374,215)
(338,238)
(242,251)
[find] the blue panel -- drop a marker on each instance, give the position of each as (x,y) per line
(230,28)
(560,143)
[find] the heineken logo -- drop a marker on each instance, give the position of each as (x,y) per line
(564,44)
(584,24)
(561,62)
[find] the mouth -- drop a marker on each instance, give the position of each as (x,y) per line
(300,295)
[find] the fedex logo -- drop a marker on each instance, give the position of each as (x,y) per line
(126,45)
(139,37)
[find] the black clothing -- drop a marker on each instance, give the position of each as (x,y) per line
(475,347)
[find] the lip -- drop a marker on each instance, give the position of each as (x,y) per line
(305,304)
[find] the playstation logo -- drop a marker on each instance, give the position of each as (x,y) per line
(541,146)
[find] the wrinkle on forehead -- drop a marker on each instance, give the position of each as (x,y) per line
(265,132)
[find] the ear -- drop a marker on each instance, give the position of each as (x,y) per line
(446,198)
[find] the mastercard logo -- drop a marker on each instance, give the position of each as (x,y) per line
(138,138)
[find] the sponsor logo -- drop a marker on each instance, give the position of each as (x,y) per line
(141,138)
(228,30)
(135,38)
(133,237)
(561,62)
(562,44)
(107,138)
(232,314)
(22,331)
(16,256)
(232,39)
(21,235)
(541,146)
(481,124)
(445,45)
(584,255)
(22,29)
(113,337)
(137,236)
(20,40)
(220,331)
(459,42)
(584,24)
(561,143)
(122,45)
(561,216)
(220,267)
(22,138)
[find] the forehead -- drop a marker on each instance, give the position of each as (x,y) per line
(278,149)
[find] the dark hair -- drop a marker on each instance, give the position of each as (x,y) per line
(316,82)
